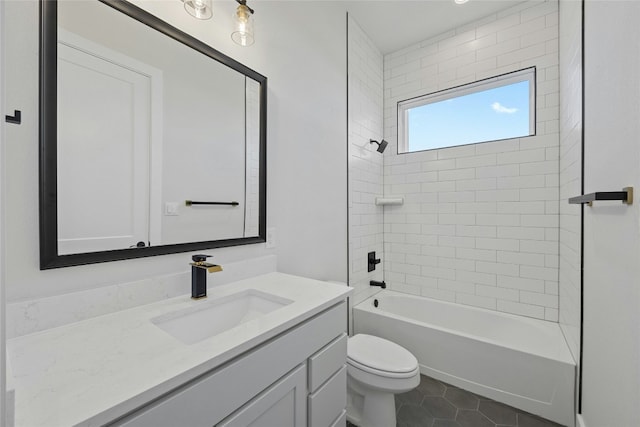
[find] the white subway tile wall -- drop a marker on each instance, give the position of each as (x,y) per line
(365,163)
(479,225)
(570,171)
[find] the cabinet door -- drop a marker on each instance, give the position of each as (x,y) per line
(284,404)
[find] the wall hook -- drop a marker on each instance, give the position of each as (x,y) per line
(15,119)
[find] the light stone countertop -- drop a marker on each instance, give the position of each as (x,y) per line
(91,372)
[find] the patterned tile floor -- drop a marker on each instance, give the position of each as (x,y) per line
(437,404)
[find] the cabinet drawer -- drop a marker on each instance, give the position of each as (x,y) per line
(326,404)
(327,361)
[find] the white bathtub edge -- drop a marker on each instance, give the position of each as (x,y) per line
(546,410)
(563,356)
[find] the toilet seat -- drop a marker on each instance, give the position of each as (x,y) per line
(381,357)
(386,374)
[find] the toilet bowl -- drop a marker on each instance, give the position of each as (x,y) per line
(377,369)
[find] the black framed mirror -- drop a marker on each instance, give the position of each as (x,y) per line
(151,141)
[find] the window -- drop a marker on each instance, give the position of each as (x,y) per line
(497,108)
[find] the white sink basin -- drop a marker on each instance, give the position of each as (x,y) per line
(209,318)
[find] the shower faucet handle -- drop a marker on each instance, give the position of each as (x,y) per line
(372,261)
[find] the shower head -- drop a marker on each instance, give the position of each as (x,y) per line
(381,145)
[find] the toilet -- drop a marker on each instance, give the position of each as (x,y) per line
(377,369)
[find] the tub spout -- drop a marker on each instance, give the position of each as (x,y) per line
(382,284)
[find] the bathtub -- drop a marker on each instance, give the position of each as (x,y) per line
(516,360)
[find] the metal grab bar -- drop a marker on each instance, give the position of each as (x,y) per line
(191,202)
(626,196)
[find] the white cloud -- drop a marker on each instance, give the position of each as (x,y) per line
(499,108)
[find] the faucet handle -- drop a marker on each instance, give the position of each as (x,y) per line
(200,257)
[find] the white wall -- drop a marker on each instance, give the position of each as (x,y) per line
(306,66)
(570,170)
(3,383)
(305,62)
(365,163)
(480,222)
(611,327)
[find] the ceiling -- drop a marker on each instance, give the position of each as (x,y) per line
(394,24)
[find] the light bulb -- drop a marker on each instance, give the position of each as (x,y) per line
(243,32)
(200,9)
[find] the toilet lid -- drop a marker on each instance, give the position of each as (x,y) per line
(380,354)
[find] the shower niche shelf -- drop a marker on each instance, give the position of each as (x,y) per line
(389,200)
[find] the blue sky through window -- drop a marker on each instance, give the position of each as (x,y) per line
(489,115)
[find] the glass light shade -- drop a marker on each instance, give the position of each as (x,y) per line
(200,9)
(243,31)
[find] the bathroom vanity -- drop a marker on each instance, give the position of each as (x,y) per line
(265,351)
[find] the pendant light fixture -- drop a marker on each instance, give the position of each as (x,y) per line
(243,24)
(199,9)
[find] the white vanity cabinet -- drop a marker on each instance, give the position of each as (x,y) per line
(297,378)
(283,404)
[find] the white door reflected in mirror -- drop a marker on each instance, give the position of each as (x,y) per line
(103,171)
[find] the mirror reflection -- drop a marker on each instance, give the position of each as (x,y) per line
(152,142)
(146,125)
